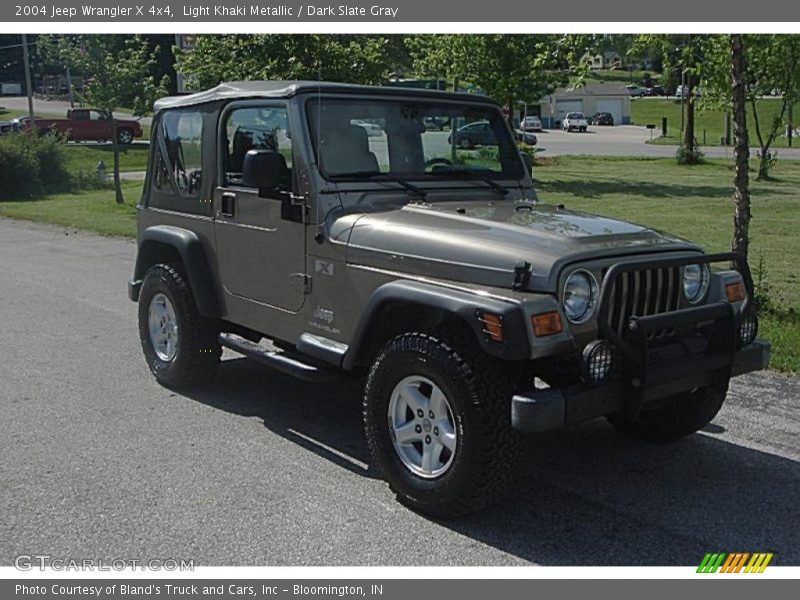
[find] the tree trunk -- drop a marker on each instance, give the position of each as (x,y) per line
(689,151)
(511,112)
(117,183)
(765,159)
(741,150)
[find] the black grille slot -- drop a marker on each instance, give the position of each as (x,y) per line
(642,293)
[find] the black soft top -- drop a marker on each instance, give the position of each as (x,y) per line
(233,90)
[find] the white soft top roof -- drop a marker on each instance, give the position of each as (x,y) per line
(284,89)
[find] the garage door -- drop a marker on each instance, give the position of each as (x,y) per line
(611,106)
(566,106)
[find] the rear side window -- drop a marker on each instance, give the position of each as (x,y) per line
(178,153)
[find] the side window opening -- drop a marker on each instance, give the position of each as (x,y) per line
(178,166)
(256,128)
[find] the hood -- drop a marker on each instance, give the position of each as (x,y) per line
(482,242)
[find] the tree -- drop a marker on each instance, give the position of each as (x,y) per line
(507,67)
(682,58)
(773,65)
(117,72)
(741,151)
(345,58)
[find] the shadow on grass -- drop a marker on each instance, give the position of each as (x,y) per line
(620,187)
(584,495)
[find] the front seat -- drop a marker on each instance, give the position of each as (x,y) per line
(345,149)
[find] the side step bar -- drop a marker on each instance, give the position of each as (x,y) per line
(277,360)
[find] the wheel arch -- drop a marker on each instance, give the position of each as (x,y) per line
(402,306)
(170,244)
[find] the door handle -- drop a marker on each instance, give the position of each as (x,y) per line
(228,204)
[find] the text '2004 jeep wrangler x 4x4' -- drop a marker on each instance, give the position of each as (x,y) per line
(332,221)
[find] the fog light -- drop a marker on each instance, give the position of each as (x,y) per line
(598,359)
(748,329)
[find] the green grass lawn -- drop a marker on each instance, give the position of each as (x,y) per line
(617,76)
(93,210)
(83,157)
(691,202)
(650,111)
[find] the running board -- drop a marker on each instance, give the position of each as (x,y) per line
(277,360)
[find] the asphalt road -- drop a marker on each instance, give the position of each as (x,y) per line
(99,461)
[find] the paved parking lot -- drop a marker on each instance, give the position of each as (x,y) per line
(99,461)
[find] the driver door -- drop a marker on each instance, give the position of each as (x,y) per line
(260,254)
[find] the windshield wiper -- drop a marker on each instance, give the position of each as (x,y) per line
(472,175)
(418,191)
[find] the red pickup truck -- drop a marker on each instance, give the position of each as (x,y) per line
(86,124)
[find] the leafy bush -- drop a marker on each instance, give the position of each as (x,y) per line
(33,165)
(689,156)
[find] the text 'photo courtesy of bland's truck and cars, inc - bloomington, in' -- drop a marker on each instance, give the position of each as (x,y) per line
(189,10)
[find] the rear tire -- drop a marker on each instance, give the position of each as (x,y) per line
(124,137)
(477,391)
(179,345)
(675,417)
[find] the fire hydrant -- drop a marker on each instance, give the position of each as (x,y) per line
(100,169)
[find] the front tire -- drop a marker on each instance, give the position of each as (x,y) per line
(674,417)
(437,420)
(179,345)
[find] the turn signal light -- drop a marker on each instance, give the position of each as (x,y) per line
(548,323)
(492,326)
(735,291)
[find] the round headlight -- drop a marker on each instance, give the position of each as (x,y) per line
(580,296)
(695,282)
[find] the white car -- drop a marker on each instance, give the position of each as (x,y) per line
(575,121)
(372,129)
(531,123)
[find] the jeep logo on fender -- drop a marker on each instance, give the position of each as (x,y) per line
(323,314)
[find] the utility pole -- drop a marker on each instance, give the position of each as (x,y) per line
(69,89)
(28,85)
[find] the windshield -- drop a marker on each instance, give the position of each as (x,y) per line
(411,140)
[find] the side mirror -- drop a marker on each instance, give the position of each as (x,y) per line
(263,169)
(528,160)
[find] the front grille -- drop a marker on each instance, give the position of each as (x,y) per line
(642,293)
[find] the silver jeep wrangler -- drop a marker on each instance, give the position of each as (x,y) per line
(332,222)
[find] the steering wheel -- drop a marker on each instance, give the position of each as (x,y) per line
(438,161)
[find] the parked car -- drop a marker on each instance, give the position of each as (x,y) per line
(86,124)
(603,118)
(477,133)
(372,129)
(526,137)
(531,123)
(634,90)
(683,90)
(574,121)
(472,310)
(656,90)
(435,123)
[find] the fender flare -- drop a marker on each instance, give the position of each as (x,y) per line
(464,304)
(195,264)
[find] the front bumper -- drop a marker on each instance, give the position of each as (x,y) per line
(134,287)
(554,408)
(655,353)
